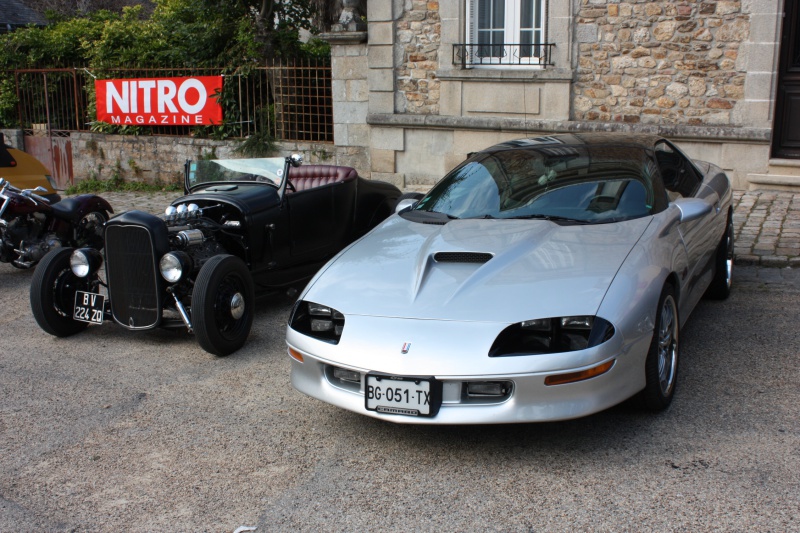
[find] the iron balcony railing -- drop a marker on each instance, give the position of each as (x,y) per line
(507,54)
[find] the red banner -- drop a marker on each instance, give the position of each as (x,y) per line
(159,101)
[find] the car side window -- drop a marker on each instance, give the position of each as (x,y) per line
(678,174)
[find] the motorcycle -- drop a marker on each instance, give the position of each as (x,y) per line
(31,226)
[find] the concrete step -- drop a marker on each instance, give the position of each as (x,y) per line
(781,175)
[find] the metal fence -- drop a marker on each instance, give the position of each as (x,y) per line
(507,54)
(291,100)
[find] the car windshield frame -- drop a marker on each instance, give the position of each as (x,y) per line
(563,183)
(271,171)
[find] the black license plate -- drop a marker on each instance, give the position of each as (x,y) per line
(89,307)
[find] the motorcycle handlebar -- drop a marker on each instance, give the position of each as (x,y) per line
(28,193)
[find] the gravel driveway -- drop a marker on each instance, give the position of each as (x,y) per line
(118,431)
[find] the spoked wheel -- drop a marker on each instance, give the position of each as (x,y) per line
(89,232)
(661,366)
(222,305)
(720,287)
(53,288)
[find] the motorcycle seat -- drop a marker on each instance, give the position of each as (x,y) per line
(66,209)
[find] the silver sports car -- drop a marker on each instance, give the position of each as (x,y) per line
(541,279)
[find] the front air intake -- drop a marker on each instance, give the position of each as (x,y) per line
(461,257)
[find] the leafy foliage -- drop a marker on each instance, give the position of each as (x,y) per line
(94,185)
(117,182)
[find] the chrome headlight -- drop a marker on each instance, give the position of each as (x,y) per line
(318,321)
(552,335)
(85,261)
(174,266)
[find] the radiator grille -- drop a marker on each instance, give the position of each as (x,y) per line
(461,257)
(132,281)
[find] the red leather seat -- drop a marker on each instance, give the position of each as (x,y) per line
(310,176)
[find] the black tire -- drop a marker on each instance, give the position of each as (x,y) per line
(221,280)
(53,289)
(720,287)
(661,366)
(89,232)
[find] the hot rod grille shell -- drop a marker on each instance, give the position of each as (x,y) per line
(132,276)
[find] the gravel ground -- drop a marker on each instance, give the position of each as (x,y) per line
(118,431)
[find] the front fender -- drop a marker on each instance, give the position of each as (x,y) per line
(632,298)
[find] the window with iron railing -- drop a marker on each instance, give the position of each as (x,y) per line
(505,33)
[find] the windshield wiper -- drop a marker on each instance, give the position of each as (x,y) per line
(439,214)
(428,217)
(552,218)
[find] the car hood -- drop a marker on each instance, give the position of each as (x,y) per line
(535,269)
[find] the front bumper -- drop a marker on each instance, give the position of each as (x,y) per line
(528,400)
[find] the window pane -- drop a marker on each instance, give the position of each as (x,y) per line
(484,14)
(525,40)
(499,14)
(491,43)
(526,16)
(491,14)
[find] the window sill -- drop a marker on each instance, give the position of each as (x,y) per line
(505,72)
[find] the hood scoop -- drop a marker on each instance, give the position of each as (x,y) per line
(462,257)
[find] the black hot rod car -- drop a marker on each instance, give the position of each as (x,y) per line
(245,225)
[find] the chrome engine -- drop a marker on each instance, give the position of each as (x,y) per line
(22,244)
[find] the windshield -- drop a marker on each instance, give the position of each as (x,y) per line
(582,184)
(267,170)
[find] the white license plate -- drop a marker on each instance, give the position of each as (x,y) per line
(398,395)
(89,307)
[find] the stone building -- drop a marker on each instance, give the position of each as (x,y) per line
(419,84)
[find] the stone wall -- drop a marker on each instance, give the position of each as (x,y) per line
(419,33)
(161,159)
(660,61)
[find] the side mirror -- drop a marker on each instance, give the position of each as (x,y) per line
(406,203)
(692,208)
(296,160)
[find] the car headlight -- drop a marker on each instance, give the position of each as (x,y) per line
(551,335)
(318,321)
(174,266)
(85,261)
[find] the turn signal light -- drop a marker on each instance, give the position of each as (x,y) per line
(572,377)
(294,354)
